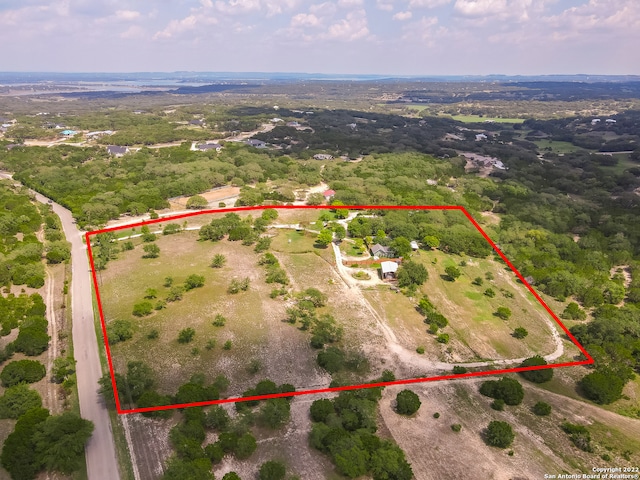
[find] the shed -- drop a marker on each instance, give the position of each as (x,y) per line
(389,270)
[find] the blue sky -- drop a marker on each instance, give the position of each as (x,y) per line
(402,37)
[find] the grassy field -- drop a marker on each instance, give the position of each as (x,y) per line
(479,119)
(556,146)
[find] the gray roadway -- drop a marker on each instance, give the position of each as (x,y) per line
(102,463)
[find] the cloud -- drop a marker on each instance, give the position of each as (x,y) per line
(402,16)
(427,3)
(127,15)
(178,27)
(384,5)
(353,27)
(480,8)
(134,31)
(350,3)
(305,20)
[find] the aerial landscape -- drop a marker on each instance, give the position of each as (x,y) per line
(260,240)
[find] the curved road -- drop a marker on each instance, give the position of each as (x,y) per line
(100,452)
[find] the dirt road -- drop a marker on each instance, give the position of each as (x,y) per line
(100,452)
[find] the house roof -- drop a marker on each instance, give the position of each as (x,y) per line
(414,245)
(389,267)
(377,248)
(117,150)
(329,193)
(68,132)
(255,143)
(209,146)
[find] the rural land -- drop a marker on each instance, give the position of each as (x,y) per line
(168,251)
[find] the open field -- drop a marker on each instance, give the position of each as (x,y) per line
(483,119)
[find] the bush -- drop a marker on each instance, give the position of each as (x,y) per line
(194,281)
(175,294)
(186,335)
(499,434)
(171,229)
(17,400)
(503,312)
(272,470)
(602,386)
(536,376)
(458,370)
(321,409)
(452,272)
(420,350)
(456,427)
(489,292)
(197,202)
(218,261)
(238,285)
(579,435)
(478,281)
(151,251)
(541,409)
(227,345)
(507,389)
(32,339)
(407,402)
(436,415)
(573,312)
(27,371)
(142,309)
(119,331)
(153,334)
(245,446)
(498,404)
(332,359)
(443,338)
(219,321)
(520,333)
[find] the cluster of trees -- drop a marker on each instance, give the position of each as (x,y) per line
(433,318)
(323,327)
(248,230)
(344,428)
(275,273)
(41,441)
(506,389)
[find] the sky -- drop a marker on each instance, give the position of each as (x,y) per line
(388,37)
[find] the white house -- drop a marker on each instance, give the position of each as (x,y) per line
(480,136)
(389,270)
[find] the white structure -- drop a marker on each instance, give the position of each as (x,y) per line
(414,245)
(389,269)
(480,136)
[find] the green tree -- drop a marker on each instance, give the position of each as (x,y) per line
(175,294)
(541,409)
(321,409)
(431,241)
(19,457)
(194,281)
(151,251)
(17,400)
(402,246)
(179,469)
(22,371)
(412,273)
(272,470)
(503,312)
(245,446)
(231,476)
(520,333)
(120,330)
(275,412)
(197,202)
(499,434)
(407,402)
(602,386)
(324,237)
(507,389)
(573,312)
(453,272)
(60,440)
(536,376)
(142,309)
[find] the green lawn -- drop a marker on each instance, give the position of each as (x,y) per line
(478,119)
(556,146)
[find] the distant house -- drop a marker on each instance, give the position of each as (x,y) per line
(381,251)
(252,142)
(595,121)
(329,194)
(293,124)
(389,270)
(197,122)
(480,136)
(352,126)
(203,147)
(117,151)
(68,133)
(610,121)
(323,156)
(100,133)
(414,245)
(276,120)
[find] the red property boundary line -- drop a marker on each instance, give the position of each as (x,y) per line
(589,360)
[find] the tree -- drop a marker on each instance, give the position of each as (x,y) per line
(151,251)
(503,312)
(541,409)
(147,236)
(412,273)
(507,389)
(324,237)
(179,469)
(407,402)
(59,442)
(27,371)
(194,281)
(197,202)
(150,293)
(602,386)
(499,434)
(186,335)
(536,376)
(175,293)
(573,312)
(18,452)
(138,380)
(275,412)
(120,330)
(321,409)
(402,246)
(231,476)
(272,470)
(431,241)
(142,309)
(218,261)
(520,333)
(478,281)
(452,272)
(17,400)
(489,292)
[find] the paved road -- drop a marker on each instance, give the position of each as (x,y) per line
(100,452)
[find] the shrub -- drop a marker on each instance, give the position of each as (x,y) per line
(420,350)
(499,434)
(175,293)
(498,404)
(536,376)
(579,435)
(507,389)
(452,273)
(153,334)
(456,427)
(186,335)
(332,359)
(520,333)
(168,281)
(171,229)
(541,409)
(245,446)
(151,251)
(119,331)
(150,293)
(407,402)
(22,371)
(218,261)
(272,470)
(459,369)
(197,202)
(321,409)
(211,344)
(443,338)
(227,345)
(194,281)
(17,400)
(489,292)
(436,415)
(219,321)
(126,246)
(503,312)
(573,312)
(478,281)
(602,386)
(142,309)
